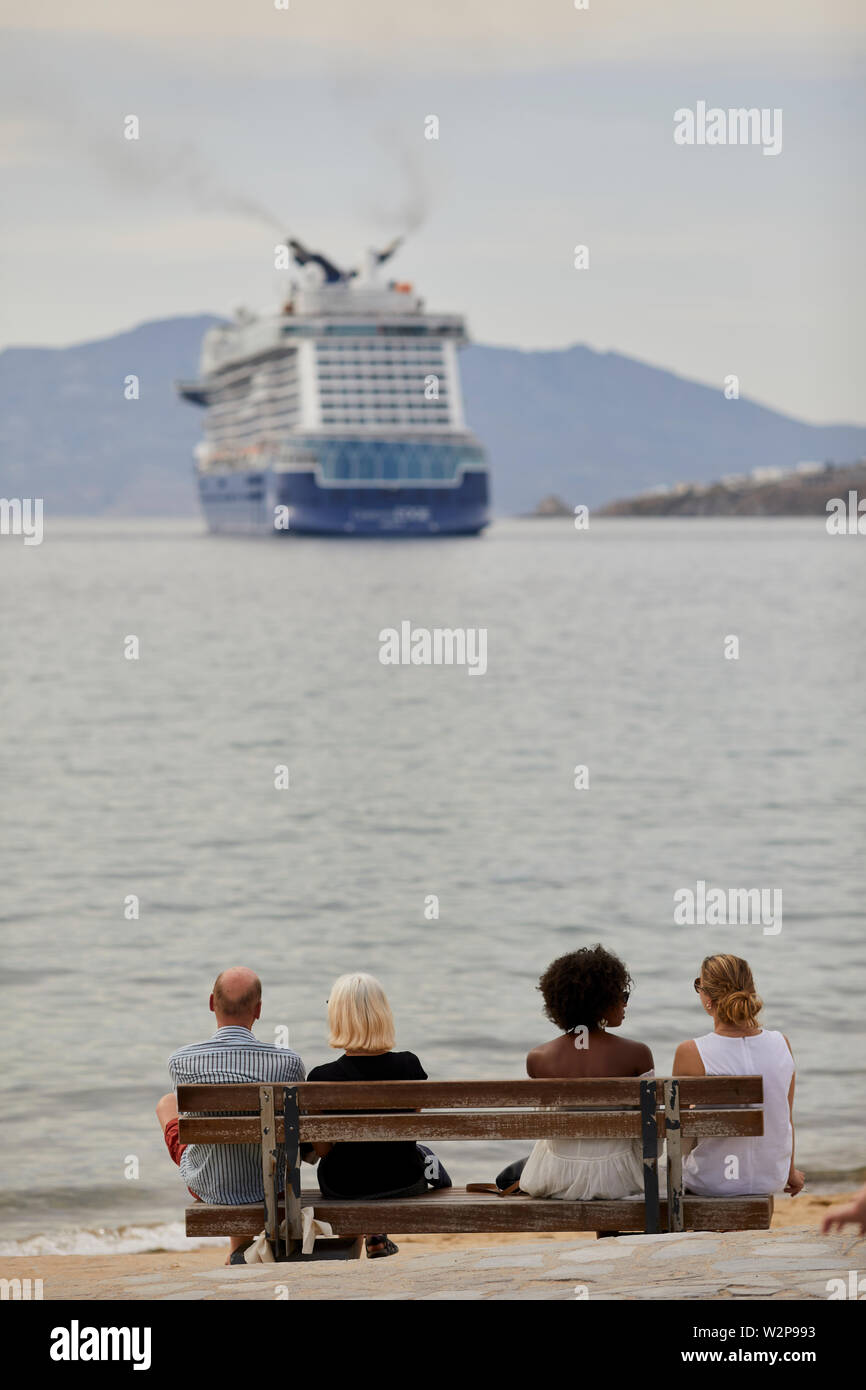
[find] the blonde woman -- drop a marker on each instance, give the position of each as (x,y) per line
(739,1046)
(361,1023)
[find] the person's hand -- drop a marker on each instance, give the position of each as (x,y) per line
(796,1181)
(853,1213)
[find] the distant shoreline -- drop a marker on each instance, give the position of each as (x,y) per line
(800,493)
(793,494)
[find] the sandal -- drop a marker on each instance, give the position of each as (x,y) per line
(380,1246)
(237,1256)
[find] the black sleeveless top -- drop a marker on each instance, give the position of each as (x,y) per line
(358,1170)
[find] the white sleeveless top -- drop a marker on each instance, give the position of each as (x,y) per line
(762,1164)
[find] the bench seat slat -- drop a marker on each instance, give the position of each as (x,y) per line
(489,1125)
(316,1096)
(456,1211)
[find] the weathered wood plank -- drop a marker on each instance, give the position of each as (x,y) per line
(456,1211)
(487,1125)
(603,1092)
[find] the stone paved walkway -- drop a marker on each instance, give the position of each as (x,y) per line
(793,1264)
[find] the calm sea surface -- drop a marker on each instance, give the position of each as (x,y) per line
(155,777)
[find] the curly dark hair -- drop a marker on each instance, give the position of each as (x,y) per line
(579,987)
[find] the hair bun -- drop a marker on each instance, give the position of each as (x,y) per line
(740,1007)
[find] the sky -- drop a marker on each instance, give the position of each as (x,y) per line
(556,129)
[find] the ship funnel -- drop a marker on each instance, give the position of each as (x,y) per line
(333,274)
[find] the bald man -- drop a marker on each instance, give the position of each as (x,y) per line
(226,1174)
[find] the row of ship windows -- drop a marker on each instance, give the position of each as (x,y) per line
(392,469)
(406,345)
(234,402)
(269,392)
(235,439)
(358,394)
(361,378)
(230,422)
(333,400)
(354,366)
(225,403)
(407,418)
(252,434)
(251,430)
(387,358)
(334,414)
(284,366)
(363,392)
(363,407)
(397,358)
(401,331)
(377,412)
(241,380)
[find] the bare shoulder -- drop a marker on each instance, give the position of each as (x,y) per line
(535,1058)
(638,1055)
(687,1060)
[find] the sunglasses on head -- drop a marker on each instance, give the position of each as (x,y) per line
(698,985)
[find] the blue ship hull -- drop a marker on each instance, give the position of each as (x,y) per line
(247,503)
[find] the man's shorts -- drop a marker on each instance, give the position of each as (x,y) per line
(176,1148)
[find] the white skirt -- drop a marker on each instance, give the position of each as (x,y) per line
(576,1170)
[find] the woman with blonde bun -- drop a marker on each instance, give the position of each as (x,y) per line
(739,1046)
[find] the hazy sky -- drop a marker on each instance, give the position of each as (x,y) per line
(556,129)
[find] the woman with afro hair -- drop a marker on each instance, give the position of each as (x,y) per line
(585,995)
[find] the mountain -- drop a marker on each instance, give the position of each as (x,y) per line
(593,426)
(585,425)
(68,435)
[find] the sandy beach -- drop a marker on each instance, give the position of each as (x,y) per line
(794,1246)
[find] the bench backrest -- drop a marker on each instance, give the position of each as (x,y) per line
(334,1111)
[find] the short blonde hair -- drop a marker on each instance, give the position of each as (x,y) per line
(359,1015)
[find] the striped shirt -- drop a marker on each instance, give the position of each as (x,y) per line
(229,1173)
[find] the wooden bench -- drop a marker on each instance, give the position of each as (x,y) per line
(435,1111)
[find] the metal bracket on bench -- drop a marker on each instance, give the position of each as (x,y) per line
(292,1185)
(673,1134)
(650,1137)
(270,1168)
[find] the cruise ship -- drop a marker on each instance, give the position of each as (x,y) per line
(339,415)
